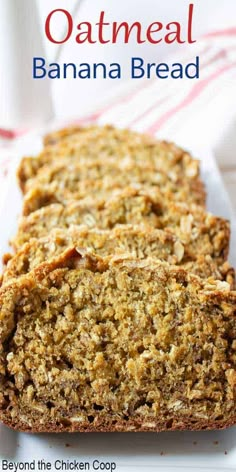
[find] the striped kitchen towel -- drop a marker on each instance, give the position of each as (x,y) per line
(186,111)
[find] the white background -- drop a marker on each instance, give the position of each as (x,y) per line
(73,97)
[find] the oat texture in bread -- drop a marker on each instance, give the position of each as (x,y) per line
(117,308)
(58,183)
(112,344)
(57,192)
(137,241)
(201,232)
(113,145)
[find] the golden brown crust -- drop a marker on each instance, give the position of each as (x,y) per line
(126,344)
(57,136)
(125,426)
(27,169)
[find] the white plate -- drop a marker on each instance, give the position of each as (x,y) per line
(167,452)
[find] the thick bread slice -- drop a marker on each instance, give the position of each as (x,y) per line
(70,173)
(59,192)
(65,180)
(113,145)
(202,232)
(136,241)
(92,344)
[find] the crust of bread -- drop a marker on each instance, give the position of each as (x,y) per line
(57,136)
(127,426)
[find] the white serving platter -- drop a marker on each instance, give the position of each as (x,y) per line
(162,452)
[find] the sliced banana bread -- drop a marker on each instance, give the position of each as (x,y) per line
(97,177)
(201,232)
(64,191)
(104,344)
(113,144)
(136,241)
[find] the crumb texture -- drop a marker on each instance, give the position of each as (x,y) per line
(126,239)
(191,224)
(113,145)
(136,342)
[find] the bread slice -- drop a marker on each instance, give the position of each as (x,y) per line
(104,344)
(111,144)
(201,232)
(64,191)
(99,177)
(137,241)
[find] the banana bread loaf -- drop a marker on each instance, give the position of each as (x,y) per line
(104,344)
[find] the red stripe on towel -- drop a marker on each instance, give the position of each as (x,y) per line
(194,93)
